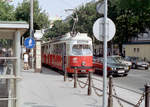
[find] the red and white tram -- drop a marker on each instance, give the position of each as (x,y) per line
(69,51)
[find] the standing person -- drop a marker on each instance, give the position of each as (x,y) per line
(26,58)
(1,62)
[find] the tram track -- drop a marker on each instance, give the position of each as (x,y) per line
(140,93)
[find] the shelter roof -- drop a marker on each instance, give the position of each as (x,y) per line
(8,28)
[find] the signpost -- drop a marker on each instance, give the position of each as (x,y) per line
(29,43)
(104,30)
(38,35)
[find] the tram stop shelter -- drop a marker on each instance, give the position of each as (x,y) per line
(10,61)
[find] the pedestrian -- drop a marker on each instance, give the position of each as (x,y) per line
(1,62)
(26,61)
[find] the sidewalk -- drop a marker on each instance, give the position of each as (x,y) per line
(48,89)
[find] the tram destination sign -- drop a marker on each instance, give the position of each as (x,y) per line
(82,41)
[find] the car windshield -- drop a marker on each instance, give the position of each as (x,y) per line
(119,59)
(81,49)
(110,60)
(113,60)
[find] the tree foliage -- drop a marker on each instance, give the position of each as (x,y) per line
(40,17)
(86,17)
(132,18)
(6,11)
(59,28)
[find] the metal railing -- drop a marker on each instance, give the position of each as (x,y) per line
(9,78)
(112,91)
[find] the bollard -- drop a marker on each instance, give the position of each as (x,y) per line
(147,93)
(65,76)
(110,99)
(75,77)
(89,84)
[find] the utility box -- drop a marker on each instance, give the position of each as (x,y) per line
(10,62)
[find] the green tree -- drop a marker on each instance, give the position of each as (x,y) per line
(132,19)
(6,11)
(59,28)
(87,16)
(40,17)
(6,14)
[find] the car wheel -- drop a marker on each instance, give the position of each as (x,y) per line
(146,68)
(125,75)
(134,66)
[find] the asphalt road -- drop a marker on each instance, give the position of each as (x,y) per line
(135,80)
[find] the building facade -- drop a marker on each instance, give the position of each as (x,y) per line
(139,46)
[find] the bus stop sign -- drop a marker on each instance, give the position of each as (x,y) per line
(29,43)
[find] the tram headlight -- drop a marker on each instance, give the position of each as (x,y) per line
(83,63)
(75,60)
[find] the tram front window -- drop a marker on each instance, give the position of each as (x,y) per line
(81,49)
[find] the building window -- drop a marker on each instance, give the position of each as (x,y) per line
(138,49)
(134,49)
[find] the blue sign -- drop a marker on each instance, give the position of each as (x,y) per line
(29,43)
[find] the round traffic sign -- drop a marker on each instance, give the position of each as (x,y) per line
(98,29)
(100,7)
(29,43)
(38,34)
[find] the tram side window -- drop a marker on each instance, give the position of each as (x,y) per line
(42,49)
(49,48)
(46,49)
(57,49)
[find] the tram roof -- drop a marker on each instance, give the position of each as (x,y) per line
(68,37)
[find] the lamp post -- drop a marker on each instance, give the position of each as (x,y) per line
(38,35)
(31,32)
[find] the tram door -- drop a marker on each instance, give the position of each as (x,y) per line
(64,56)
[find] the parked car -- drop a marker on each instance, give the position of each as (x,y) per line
(114,67)
(122,60)
(137,62)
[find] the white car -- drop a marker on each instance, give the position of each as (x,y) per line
(128,63)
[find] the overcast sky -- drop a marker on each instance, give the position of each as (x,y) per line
(55,8)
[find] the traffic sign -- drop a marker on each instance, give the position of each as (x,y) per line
(38,34)
(100,7)
(98,29)
(29,43)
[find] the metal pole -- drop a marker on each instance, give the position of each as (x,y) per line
(110,99)
(75,78)
(31,30)
(105,58)
(31,18)
(112,48)
(147,95)
(17,66)
(63,64)
(89,85)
